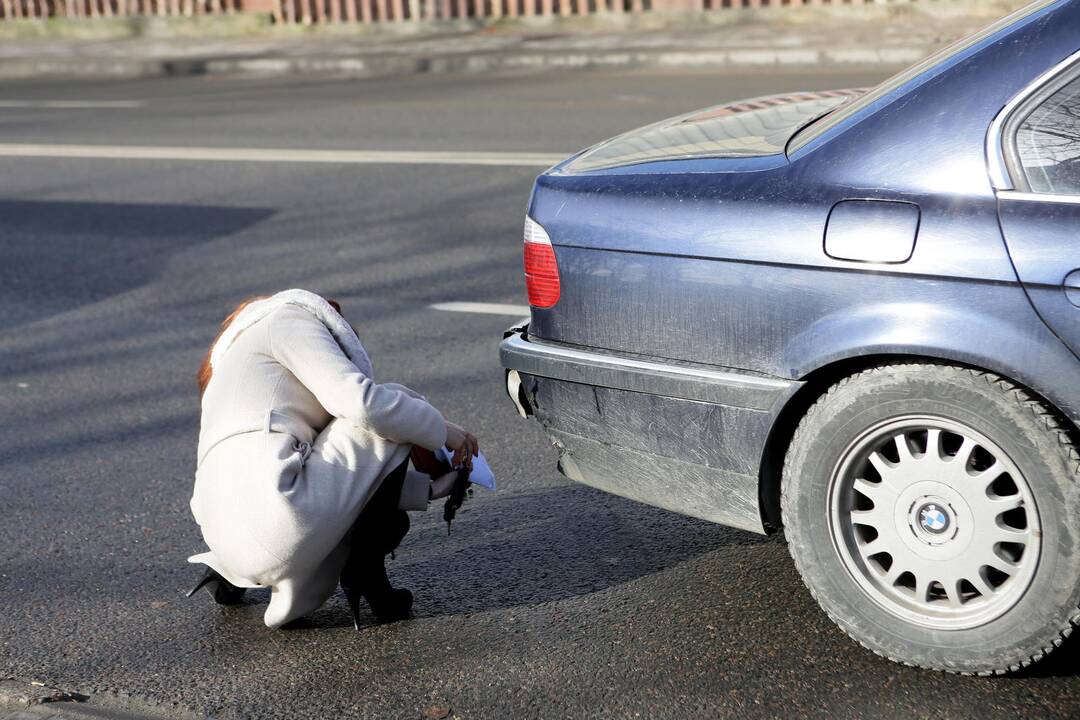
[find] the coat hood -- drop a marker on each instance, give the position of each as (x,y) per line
(309,301)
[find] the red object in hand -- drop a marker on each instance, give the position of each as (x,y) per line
(425,461)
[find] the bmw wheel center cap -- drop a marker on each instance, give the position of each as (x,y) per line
(934,518)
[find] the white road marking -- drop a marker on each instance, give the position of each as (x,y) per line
(70,104)
(483,308)
(277,155)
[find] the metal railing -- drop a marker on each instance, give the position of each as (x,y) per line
(41,9)
(373,11)
(377,11)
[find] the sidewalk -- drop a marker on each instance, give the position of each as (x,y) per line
(830,41)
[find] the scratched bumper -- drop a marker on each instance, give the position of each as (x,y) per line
(688,439)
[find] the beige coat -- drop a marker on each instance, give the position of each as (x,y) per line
(295,438)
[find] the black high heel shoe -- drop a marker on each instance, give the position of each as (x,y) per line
(389,604)
(223,591)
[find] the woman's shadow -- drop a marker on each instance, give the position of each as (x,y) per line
(551,545)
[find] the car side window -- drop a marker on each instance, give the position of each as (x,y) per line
(1048,143)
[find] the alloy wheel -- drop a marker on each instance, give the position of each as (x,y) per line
(934,521)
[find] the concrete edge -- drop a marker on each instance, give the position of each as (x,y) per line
(399,66)
(31,700)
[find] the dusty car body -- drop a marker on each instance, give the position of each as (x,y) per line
(715,275)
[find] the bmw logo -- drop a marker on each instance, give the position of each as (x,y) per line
(933,518)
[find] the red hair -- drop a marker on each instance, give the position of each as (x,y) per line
(205,370)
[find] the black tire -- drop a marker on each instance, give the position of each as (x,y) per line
(1035,440)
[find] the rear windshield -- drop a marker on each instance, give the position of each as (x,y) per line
(840,114)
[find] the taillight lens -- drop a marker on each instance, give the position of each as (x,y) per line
(541,270)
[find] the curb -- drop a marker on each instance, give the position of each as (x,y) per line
(35,701)
(21,700)
(68,711)
(399,66)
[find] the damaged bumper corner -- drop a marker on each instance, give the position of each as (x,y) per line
(514,387)
(517,393)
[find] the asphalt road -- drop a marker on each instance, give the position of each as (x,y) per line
(548,600)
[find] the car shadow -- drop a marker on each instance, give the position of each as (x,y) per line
(1064,661)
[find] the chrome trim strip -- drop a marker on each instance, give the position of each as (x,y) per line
(1038,197)
(590,368)
(995,156)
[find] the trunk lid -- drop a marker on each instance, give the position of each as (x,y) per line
(748,128)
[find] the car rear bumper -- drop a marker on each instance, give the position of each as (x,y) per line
(561,362)
(689,439)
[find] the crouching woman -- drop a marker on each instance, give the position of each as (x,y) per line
(303,477)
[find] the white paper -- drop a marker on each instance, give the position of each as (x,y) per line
(481,472)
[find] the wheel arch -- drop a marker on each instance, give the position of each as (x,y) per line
(817,382)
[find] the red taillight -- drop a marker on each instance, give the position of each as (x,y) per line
(541,270)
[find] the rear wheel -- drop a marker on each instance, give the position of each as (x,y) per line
(932,512)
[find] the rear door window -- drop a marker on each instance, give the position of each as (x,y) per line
(1047,143)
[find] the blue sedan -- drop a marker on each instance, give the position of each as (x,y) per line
(853,316)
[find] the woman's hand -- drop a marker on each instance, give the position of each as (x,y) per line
(463,443)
